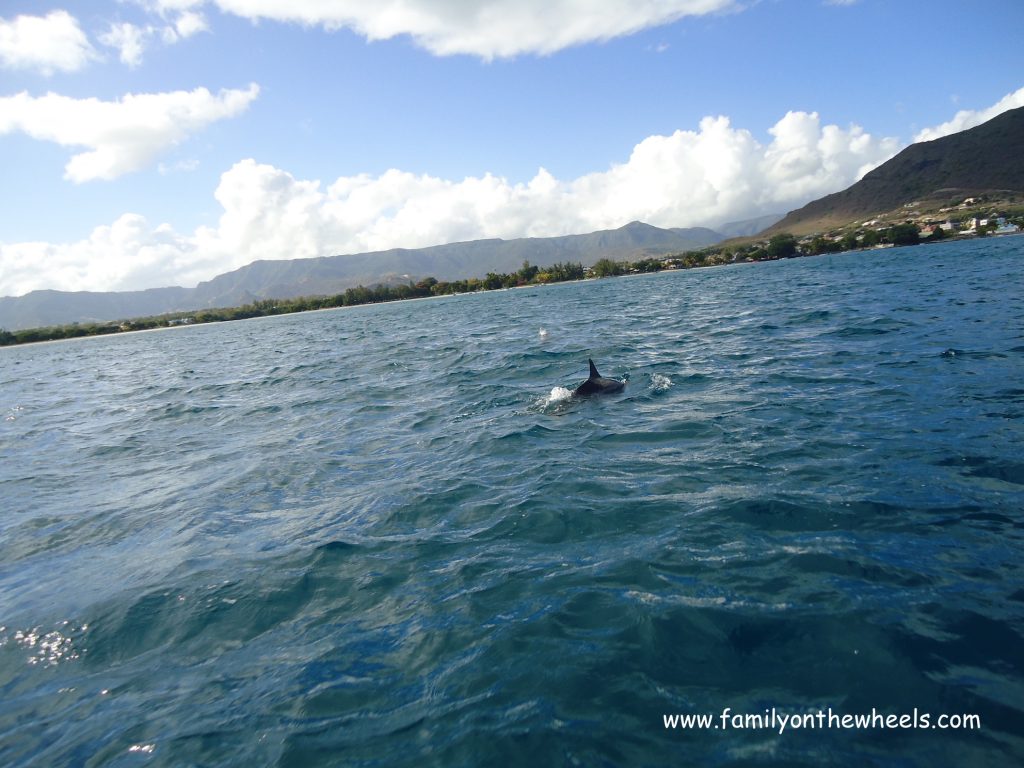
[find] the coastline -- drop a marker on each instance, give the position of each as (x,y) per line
(114,328)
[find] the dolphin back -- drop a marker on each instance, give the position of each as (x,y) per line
(597,384)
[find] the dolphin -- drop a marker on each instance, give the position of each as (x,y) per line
(598,384)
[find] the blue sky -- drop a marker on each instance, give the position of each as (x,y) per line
(157,142)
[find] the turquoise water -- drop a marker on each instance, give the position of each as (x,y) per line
(381,536)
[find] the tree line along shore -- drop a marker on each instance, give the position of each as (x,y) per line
(780,246)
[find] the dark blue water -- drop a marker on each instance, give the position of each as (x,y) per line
(381,536)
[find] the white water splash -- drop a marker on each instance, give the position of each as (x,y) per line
(660,383)
(558,395)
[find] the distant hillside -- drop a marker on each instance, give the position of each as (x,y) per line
(747,227)
(988,157)
(333,274)
(43,308)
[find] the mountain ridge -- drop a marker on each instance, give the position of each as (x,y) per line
(326,275)
(979,160)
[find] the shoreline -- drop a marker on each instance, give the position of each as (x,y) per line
(177,326)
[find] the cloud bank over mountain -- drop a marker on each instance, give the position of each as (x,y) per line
(689,178)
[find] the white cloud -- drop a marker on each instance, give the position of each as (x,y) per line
(45,43)
(187,24)
(125,255)
(55,42)
(129,40)
(706,176)
(967,118)
(120,136)
(486,28)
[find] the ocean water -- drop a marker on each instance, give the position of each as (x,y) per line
(383,536)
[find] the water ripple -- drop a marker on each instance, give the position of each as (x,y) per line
(387,535)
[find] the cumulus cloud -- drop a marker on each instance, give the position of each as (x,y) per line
(131,40)
(486,28)
(55,42)
(124,255)
(713,174)
(120,136)
(47,44)
(967,118)
(128,39)
(187,23)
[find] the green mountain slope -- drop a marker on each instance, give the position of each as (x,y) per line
(986,158)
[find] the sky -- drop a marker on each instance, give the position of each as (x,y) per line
(147,143)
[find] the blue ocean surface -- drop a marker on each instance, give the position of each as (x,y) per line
(384,536)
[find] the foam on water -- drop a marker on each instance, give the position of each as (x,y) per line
(558,395)
(660,383)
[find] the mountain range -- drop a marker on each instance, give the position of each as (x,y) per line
(333,274)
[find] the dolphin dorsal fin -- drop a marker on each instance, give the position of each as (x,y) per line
(593,370)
